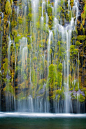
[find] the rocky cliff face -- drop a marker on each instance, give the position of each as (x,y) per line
(81,27)
(16,22)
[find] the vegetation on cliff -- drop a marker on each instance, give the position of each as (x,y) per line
(17,21)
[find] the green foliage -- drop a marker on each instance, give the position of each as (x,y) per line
(8,9)
(9,88)
(34,81)
(35,58)
(73,96)
(59,79)
(59,9)
(73,51)
(20,20)
(5,66)
(52,75)
(13,23)
(60,67)
(25,76)
(76,86)
(83,15)
(62,2)
(81,37)
(14,32)
(37,35)
(71,3)
(17,38)
(49,10)
(42,81)
(17,46)
(11,2)
(50,23)
(77,43)
(81,98)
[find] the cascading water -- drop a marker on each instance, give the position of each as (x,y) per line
(39,80)
(8,95)
(23,67)
(48,48)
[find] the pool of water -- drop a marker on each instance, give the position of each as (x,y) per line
(42,123)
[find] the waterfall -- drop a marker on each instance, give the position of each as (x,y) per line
(9,96)
(43,65)
(48,49)
(23,73)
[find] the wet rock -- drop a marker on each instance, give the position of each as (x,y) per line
(74,106)
(42,90)
(1,15)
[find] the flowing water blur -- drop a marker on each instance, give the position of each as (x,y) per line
(43,41)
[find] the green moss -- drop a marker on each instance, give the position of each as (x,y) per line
(41,81)
(60,67)
(83,15)
(73,96)
(17,46)
(50,23)
(81,37)
(11,2)
(17,38)
(5,66)
(20,20)
(62,2)
(13,23)
(77,43)
(84,90)
(30,16)
(52,75)
(34,82)
(59,9)
(29,47)
(8,9)
(9,88)
(73,51)
(35,58)
(25,76)
(71,3)
(81,98)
